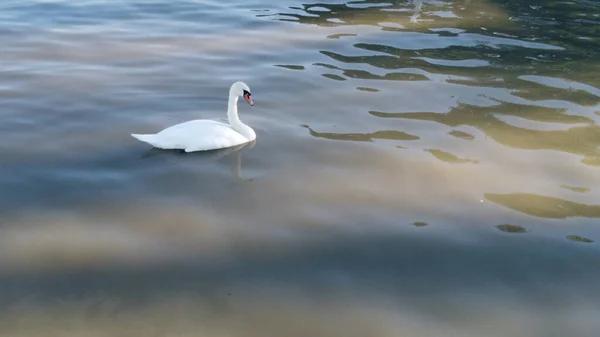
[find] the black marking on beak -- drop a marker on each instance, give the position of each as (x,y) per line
(248,98)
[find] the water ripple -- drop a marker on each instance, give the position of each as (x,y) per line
(463,118)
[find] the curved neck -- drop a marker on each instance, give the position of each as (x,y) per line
(232,111)
(234,120)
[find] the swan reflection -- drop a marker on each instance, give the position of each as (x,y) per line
(208,156)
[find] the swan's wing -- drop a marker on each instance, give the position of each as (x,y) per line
(198,135)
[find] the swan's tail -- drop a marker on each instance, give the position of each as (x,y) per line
(144,138)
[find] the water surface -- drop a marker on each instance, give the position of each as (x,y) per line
(422,168)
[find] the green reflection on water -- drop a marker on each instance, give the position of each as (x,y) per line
(290,66)
(580,140)
(420,224)
(363,137)
(366,75)
(449,157)
(578,238)
(462,135)
(367,89)
(567,30)
(337,36)
(576,189)
(508,228)
(537,63)
(558,39)
(334,77)
(536,92)
(543,206)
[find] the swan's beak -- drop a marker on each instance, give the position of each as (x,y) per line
(248,99)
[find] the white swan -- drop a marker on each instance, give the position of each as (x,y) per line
(204,134)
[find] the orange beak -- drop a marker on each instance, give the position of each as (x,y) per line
(248,99)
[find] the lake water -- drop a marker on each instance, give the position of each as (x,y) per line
(421,168)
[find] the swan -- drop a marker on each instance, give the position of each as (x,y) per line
(205,134)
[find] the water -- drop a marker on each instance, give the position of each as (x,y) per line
(422,168)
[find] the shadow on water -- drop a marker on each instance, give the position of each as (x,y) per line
(267,290)
(409,268)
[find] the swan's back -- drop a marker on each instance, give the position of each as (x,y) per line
(196,135)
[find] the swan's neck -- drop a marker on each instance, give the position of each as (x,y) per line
(232,111)
(234,119)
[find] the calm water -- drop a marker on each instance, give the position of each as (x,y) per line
(422,168)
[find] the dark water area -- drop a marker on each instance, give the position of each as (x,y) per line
(421,168)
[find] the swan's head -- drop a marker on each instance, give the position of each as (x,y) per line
(241,89)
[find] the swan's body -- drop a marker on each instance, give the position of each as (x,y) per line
(204,134)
